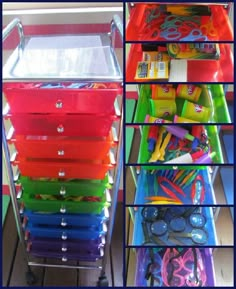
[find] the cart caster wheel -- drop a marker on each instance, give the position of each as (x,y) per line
(30,278)
(102,282)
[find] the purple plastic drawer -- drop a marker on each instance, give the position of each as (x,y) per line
(63,246)
(143,259)
(64,256)
(81,244)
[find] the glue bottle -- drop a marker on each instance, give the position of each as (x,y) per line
(187,158)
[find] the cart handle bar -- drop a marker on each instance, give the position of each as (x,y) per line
(116,23)
(9,28)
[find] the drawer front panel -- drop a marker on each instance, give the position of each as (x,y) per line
(63,256)
(64,234)
(63,247)
(80,170)
(30,99)
(73,243)
(65,125)
(63,149)
(58,206)
(64,188)
(65,220)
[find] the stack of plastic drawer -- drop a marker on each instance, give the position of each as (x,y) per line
(63,135)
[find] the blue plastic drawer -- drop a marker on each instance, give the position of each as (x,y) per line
(83,233)
(209,228)
(65,220)
(148,186)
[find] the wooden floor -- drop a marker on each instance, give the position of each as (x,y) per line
(14,266)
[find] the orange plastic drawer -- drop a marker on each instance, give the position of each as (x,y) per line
(62,125)
(221,70)
(30,98)
(63,147)
(64,169)
(138,30)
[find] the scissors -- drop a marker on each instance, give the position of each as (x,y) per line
(171,33)
(176,21)
(153,268)
(209,29)
(183,268)
(152,14)
(195,34)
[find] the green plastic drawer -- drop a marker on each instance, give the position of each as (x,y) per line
(60,206)
(67,188)
(212,96)
(214,141)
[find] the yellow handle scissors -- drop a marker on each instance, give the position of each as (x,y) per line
(209,30)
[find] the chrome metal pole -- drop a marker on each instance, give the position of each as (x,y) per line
(115,191)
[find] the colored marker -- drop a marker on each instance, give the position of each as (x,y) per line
(179,132)
(152,137)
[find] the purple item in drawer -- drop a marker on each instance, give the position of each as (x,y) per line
(143,259)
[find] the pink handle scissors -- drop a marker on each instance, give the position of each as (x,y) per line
(185,268)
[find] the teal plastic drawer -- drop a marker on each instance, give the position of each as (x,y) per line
(212,96)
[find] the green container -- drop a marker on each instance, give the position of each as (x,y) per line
(58,206)
(212,97)
(67,188)
(213,137)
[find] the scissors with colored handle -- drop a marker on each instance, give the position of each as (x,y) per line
(153,268)
(176,21)
(152,14)
(170,33)
(195,34)
(183,268)
(209,29)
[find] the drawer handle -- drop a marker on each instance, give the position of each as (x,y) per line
(62,191)
(64,236)
(63,210)
(61,174)
(64,249)
(63,223)
(64,259)
(60,153)
(59,104)
(60,129)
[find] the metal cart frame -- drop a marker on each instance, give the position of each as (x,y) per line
(116,26)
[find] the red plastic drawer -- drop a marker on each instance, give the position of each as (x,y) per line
(30,98)
(135,30)
(63,147)
(221,70)
(62,125)
(64,169)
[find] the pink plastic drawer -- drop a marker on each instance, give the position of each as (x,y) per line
(62,147)
(62,125)
(31,98)
(64,169)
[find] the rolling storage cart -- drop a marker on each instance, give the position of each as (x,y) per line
(65,135)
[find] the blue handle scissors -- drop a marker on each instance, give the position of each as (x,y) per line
(195,34)
(170,33)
